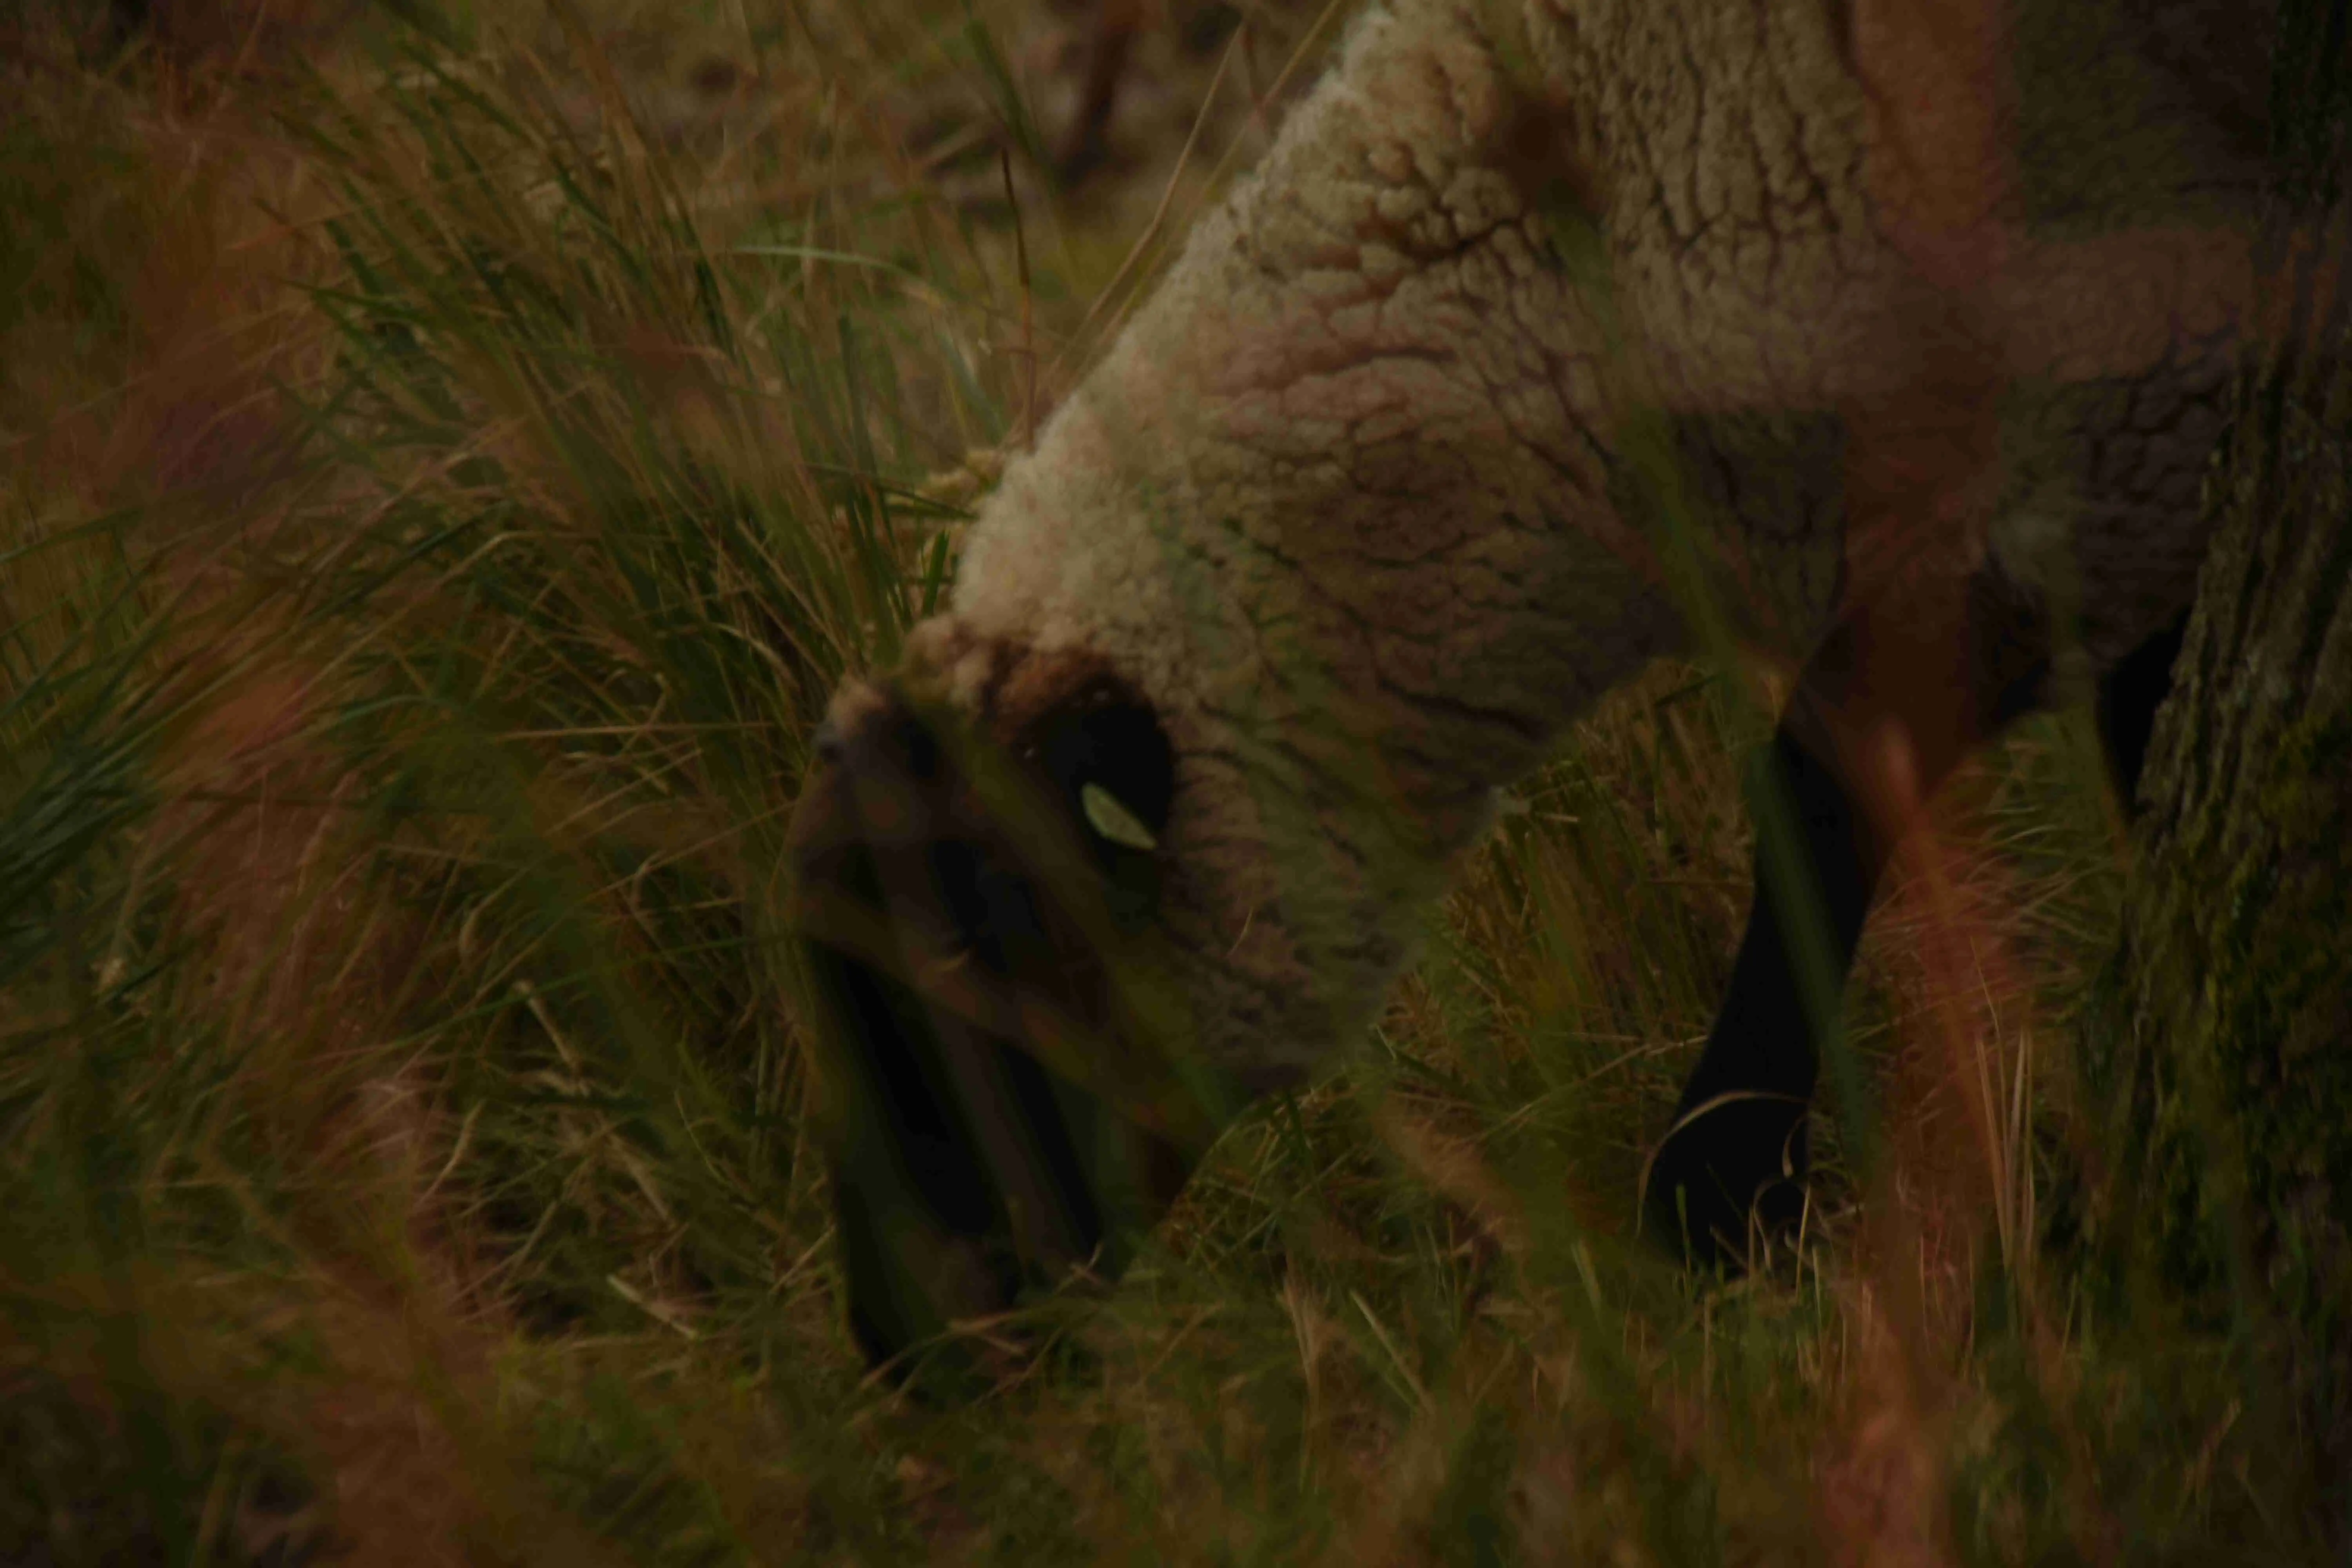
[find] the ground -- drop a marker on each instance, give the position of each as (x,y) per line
(448,457)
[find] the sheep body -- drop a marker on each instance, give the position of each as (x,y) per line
(1890,336)
(1349,490)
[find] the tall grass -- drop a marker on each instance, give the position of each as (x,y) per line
(439,507)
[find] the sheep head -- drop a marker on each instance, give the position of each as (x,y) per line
(1058,934)
(975,884)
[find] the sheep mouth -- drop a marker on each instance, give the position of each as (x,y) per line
(966,1015)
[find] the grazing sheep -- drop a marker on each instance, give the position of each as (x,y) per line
(1891,334)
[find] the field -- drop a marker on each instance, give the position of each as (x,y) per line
(448,457)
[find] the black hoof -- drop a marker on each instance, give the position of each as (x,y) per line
(1728,1182)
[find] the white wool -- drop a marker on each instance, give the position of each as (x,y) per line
(1348,499)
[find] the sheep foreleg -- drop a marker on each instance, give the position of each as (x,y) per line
(1897,695)
(1883,714)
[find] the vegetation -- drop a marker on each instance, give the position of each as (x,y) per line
(441,481)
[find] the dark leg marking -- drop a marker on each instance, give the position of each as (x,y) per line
(1738,1145)
(1732,1163)
(2129,695)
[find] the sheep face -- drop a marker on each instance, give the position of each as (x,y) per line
(972,935)
(1054,941)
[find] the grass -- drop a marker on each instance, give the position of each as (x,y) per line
(440,496)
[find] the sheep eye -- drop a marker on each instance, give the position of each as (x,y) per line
(1112,820)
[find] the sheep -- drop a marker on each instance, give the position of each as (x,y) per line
(1552,337)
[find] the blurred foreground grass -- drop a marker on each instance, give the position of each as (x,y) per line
(439,495)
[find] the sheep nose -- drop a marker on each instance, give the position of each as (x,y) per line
(965,1171)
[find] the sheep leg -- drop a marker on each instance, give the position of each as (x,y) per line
(2128,697)
(1109,41)
(1903,688)
(1732,1165)
(1881,716)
